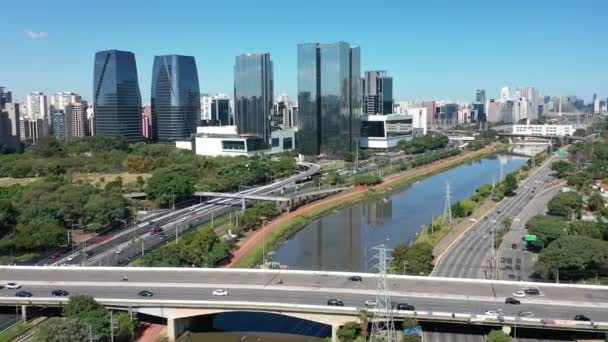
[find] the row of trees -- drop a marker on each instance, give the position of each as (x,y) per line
(423,143)
(35,217)
(86,320)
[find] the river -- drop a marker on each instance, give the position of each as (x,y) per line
(343,240)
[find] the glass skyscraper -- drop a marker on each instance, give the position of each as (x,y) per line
(175,100)
(253,94)
(329,98)
(377,93)
(116,96)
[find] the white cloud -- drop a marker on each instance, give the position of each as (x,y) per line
(36,35)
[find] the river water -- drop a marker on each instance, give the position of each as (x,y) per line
(343,240)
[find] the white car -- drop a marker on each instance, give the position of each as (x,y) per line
(70,258)
(12,286)
(219,292)
(519,294)
(118,251)
(492,313)
(370,302)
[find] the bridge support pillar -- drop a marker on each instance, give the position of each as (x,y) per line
(334,332)
(175,327)
(24,313)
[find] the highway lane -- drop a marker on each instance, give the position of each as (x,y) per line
(470,256)
(129,242)
(292,295)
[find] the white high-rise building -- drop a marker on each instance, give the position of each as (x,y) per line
(505,93)
(77,113)
(206,100)
(38,111)
(61,99)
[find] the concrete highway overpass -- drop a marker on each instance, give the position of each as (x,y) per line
(183,294)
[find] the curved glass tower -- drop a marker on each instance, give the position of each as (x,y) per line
(116,96)
(175,98)
(253,94)
(329,99)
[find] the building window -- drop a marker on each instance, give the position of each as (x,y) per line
(275,142)
(372,129)
(287,143)
(233,145)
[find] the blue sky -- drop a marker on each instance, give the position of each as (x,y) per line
(432,48)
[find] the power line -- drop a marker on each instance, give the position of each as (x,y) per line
(383,326)
(447,210)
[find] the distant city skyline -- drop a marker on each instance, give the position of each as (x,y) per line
(425,47)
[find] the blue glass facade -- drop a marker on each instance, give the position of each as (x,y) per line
(116,96)
(253,95)
(329,99)
(175,98)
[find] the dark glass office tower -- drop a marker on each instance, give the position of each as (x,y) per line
(329,98)
(377,93)
(253,94)
(116,96)
(175,99)
(220,111)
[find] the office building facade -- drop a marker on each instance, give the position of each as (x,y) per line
(175,98)
(77,113)
(60,100)
(116,95)
(61,125)
(220,110)
(6,96)
(253,94)
(329,99)
(377,93)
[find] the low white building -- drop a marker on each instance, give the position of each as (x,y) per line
(544,130)
(216,141)
(385,131)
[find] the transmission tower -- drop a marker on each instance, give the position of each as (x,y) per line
(447,210)
(383,327)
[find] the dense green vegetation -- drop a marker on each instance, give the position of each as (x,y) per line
(423,143)
(416,259)
(566,204)
(498,336)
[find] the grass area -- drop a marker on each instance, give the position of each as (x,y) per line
(14,331)
(19,259)
(290,226)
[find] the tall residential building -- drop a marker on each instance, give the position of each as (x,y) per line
(529,98)
(377,93)
(146,122)
(480,96)
(116,96)
(253,94)
(24,127)
(38,109)
(505,93)
(6,96)
(61,99)
(175,99)
(329,98)
(61,125)
(12,109)
(596,104)
(290,117)
(77,113)
(206,107)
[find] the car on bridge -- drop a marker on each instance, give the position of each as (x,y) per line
(23,294)
(513,301)
(145,293)
(59,293)
(404,306)
(519,294)
(532,291)
(371,302)
(582,318)
(335,302)
(12,286)
(355,278)
(219,292)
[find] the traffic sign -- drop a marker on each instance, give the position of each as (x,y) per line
(530,238)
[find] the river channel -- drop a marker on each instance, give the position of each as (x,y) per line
(343,240)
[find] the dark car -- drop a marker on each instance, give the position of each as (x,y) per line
(23,294)
(582,318)
(355,278)
(335,302)
(405,306)
(514,246)
(89,253)
(59,293)
(513,301)
(498,212)
(145,293)
(55,256)
(532,291)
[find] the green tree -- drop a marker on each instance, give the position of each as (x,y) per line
(591,229)
(86,310)
(571,256)
(498,336)
(167,185)
(463,208)
(510,183)
(547,229)
(596,202)
(8,217)
(58,329)
(416,259)
(349,332)
(566,204)
(104,209)
(126,327)
(562,168)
